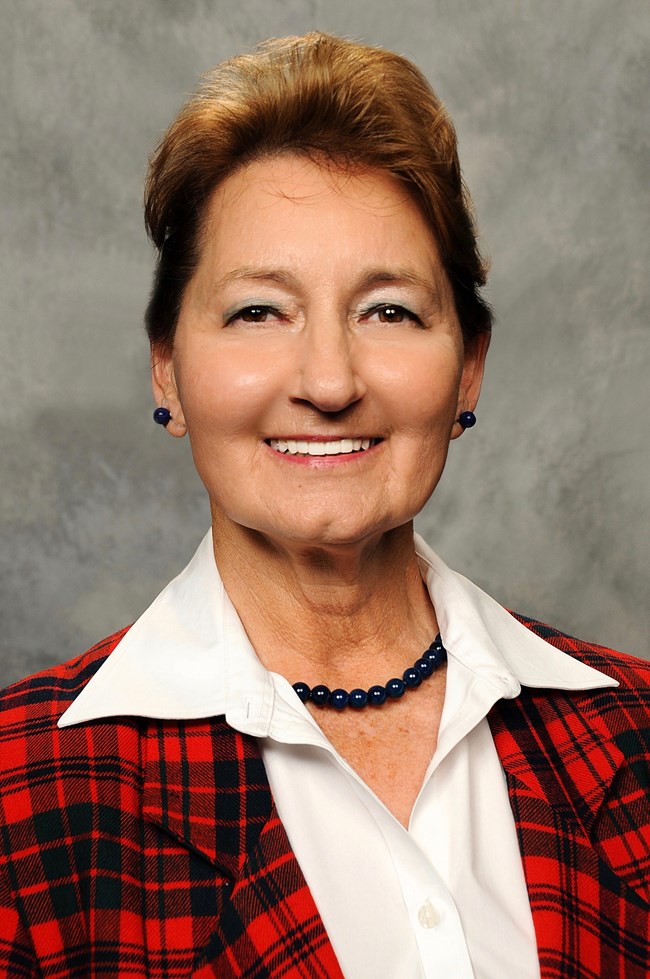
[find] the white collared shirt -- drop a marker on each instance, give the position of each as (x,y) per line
(443,899)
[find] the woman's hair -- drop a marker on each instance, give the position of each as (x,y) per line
(324,97)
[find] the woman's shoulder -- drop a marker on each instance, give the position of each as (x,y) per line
(631,672)
(47,694)
(42,764)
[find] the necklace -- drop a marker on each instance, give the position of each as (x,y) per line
(428,663)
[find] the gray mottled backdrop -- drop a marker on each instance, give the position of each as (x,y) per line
(544,503)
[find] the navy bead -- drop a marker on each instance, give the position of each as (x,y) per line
(377,696)
(303,691)
(162,416)
(425,666)
(436,657)
(358,698)
(320,695)
(412,677)
(395,688)
(467,419)
(339,699)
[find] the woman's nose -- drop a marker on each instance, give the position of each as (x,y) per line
(327,375)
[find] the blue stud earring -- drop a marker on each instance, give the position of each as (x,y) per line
(467,419)
(162,416)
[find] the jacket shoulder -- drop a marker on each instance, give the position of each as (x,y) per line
(619,715)
(629,671)
(44,768)
(47,694)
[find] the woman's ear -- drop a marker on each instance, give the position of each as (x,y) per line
(165,389)
(472,377)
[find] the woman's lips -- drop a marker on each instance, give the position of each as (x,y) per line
(321,446)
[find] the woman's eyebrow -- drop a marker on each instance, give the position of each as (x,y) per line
(256,274)
(401,276)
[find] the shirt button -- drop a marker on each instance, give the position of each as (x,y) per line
(428,916)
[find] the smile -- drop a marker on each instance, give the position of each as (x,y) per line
(334,447)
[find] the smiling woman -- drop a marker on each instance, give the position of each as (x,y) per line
(321,752)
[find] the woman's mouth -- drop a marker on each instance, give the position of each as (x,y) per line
(320,447)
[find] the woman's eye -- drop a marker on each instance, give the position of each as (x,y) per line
(392,313)
(253,314)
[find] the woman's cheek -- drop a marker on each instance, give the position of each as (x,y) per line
(427,394)
(230,395)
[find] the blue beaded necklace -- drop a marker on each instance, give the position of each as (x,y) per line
(339,699)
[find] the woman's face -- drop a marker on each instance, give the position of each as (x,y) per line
(318,363)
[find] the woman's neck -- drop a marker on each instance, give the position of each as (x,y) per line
(342,615)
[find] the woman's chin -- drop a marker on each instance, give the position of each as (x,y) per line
(329,534)
(303,522)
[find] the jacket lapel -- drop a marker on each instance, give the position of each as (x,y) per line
(561,761)
(206,786)
(559,754)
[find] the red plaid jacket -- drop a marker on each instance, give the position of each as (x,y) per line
(138,848)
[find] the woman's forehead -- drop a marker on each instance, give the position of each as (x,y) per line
(293,206)
(310,178)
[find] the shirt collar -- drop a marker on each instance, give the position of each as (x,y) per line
(188,655)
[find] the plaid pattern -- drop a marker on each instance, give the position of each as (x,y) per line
(139,848)
(578,772)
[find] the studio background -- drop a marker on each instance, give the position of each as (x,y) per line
(544,503)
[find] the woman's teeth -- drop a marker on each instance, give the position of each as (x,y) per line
(333,448)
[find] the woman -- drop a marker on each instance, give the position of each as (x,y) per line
(321,752)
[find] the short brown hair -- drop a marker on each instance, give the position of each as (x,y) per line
(316,94)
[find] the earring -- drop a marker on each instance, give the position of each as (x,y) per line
(162,416)
(467,419)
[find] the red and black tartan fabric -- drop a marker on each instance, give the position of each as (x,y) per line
(138,848)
